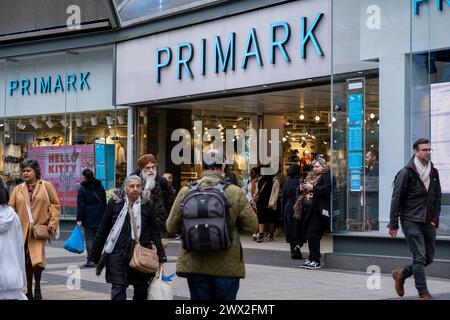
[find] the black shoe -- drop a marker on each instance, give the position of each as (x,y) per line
(37,294)
(89,264)
(30,296)
(296,253)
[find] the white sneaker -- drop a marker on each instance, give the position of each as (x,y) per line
(255,236)
(306,264)
(314,265)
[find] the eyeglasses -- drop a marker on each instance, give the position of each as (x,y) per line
(426,150)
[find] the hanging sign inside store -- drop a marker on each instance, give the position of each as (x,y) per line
(62,166)
(226,60)
(418,3)
(49,84)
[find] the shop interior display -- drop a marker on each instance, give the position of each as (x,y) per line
(19,134)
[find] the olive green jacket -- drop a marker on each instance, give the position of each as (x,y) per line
(227,263)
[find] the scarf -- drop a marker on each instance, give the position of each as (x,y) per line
(424,171)
(312,178)
(117,228)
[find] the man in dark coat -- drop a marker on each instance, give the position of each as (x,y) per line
(158,189)
(416,200)
(288,201)
(116,238)
(91,204)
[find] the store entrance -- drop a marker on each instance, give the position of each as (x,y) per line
(308,126)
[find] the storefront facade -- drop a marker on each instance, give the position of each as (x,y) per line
(58,108)
(373,69)
(357,81)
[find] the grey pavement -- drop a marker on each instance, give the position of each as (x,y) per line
(270,275)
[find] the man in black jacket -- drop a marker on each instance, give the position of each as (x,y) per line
(416,199)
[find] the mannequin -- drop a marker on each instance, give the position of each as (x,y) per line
(305,163)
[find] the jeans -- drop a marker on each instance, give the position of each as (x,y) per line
(314,250)
(203,287)
(89,235)
(421,239)
(119,292)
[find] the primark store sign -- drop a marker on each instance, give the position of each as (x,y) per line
(49,84)
(282,43)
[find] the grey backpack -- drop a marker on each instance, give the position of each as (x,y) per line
(206,218)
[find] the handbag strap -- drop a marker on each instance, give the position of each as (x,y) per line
(30,215)
(94,193)
(133,223)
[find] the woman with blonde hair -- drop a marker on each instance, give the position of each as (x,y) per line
(36,202)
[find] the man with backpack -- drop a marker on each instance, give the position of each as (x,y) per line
(416,200)
(209,214)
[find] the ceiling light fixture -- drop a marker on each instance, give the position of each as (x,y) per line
(372,116)
(109,121)
(64,123)
(20,125)
(302,117)
(49,123)
(121,119)
(34,123)
(94,121)
(79,122)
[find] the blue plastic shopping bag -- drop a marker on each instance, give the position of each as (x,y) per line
(75,242)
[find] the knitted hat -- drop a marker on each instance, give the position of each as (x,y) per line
(145,159)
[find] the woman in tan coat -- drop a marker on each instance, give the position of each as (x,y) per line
(41,198)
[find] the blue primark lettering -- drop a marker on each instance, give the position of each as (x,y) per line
(252,41)
(224,59)
(229,56)
(58,84)
(310,36)
(184,62)
(25,85)
(417,3)
(279,44)
(83,80)
(203,55)
(46,86)
(159,64)
(13,85)
(71,80)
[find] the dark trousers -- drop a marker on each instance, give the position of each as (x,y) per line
(421,239)
(314,250)
(203,287)
(119,292)
(89,235)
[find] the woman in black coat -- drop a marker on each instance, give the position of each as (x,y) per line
(91,204)
(118,272)
(288,201)
(317,215)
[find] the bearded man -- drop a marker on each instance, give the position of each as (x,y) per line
(157,189)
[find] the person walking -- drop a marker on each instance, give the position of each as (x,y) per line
(116,238)
(288,201)
(36,202)
(416,201)
(214,274)
(91,204)
(266,200)
(317,211)
(12,262)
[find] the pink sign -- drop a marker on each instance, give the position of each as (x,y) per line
(62,166)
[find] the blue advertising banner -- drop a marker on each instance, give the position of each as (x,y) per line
(355,138)
(355,161)
(355,108)
(355,181)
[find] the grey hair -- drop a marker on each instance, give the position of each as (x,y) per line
(321,161)
(131,177)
